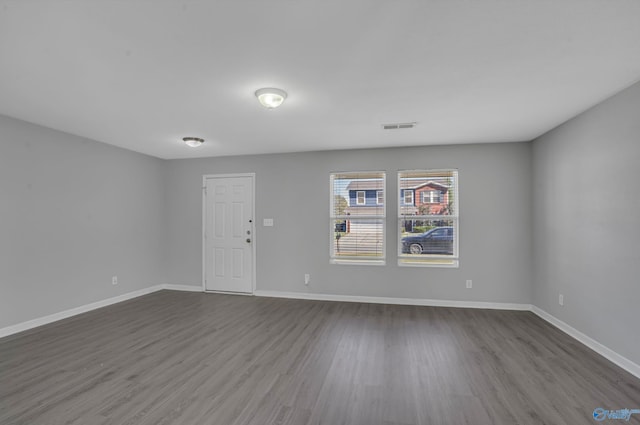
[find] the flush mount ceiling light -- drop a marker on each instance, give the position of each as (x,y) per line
(271,98)
(193,142)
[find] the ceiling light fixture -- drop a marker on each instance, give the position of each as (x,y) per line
(271,98)
(193,142)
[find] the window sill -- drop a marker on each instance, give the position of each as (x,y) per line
(449,264)
(357,262)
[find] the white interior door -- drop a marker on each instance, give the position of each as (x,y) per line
(228,233)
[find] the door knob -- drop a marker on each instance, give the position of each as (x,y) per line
(248,240)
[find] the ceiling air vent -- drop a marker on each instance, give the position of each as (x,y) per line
(398,126)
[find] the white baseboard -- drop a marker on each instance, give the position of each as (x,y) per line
(392,300)
(606,352)
(30,324)
(187,288)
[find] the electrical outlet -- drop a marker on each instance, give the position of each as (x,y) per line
(469,283)
(114,280)
(561,299)
(307,278)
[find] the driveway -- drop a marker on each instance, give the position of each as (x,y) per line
(360,243)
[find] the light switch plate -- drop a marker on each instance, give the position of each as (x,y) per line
(267,222)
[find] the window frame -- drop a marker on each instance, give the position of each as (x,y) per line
(431,260)
(378,192)
(364,197)
(404,197)
(428,196)
(357,260)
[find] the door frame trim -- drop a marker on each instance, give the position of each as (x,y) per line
(253,228)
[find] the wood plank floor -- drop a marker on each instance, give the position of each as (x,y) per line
(190,358)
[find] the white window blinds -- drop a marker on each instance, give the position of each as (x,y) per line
(428,226)
(357,217)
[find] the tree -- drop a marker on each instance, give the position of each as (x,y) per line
(339,204)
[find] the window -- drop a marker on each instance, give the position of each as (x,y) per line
(357,225)
(428,234)
(431,197)
(408,197)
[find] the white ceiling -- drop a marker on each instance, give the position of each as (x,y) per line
(144,74)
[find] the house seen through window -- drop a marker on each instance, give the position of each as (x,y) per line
(357,217)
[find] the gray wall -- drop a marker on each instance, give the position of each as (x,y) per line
(74,212)
(293,189)
(587,222)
